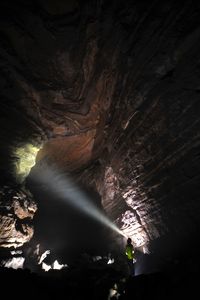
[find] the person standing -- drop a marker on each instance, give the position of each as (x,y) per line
(129,251)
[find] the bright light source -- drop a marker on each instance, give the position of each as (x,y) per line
(26,156)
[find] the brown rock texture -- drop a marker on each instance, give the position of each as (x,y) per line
(108,90)
(17,211)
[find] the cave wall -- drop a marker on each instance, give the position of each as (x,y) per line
(17,212)
(110,90)
(151,159)
(154,148)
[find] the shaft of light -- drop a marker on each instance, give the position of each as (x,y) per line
(64,188)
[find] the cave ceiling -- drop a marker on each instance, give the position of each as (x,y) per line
(108,91)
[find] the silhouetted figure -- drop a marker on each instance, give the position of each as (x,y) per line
(129,250)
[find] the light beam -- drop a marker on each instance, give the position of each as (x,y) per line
(63,187)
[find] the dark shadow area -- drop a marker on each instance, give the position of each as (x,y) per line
(168,252)
(97,280)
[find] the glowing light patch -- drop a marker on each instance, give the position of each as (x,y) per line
(113,292)
(16,252)
(96,258)
(134,230)
(46,267)
(26,156)
(110,261)
(57,266)
(43,256)
(14,263)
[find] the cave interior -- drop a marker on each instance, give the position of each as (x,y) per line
(99,129)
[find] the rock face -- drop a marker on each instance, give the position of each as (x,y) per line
(17,211)
(107,90)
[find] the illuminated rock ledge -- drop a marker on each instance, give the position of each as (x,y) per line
(17,211)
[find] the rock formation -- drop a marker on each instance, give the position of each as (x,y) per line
(109,92)
(17,211)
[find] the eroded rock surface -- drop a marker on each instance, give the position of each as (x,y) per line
(17,211)
(108,90)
